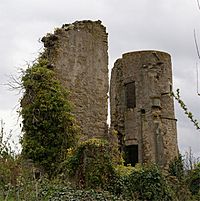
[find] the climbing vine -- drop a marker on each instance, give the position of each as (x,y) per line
(184,107)
(48,125)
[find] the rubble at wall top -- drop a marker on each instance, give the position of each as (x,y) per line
(50,38)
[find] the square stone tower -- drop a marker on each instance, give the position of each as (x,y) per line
(78,54)
(142,108)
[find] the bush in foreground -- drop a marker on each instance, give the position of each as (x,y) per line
(90,165)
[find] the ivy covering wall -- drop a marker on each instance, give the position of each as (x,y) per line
(48,124)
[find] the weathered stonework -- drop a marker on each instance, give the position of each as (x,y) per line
(142,109)
(78,54)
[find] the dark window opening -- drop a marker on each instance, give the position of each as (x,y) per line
(131,155)
(130,95)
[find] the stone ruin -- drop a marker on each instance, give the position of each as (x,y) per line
(142,108)
(79,55)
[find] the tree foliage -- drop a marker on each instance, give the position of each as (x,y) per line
(48,125)
(176,167)
(194,180)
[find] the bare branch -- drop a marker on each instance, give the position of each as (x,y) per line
(198,54)
(198,4)
(14,82)
(197,73)
(184,107)
(196,44)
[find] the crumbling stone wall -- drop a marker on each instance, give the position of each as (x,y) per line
(142,110)
(149,122)
(78,54)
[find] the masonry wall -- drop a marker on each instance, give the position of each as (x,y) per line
(78,54)
(149,123)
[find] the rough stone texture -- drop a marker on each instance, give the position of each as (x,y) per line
(151,123)
(78,53)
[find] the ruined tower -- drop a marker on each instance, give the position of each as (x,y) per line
(78,54)
(142,108)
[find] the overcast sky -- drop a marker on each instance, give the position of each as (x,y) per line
(165,25)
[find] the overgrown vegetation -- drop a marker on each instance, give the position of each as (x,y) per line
(54,165)
(48,125)
(90,165)
(194,181)
(89,173)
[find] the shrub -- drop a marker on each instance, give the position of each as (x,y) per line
(176,168)
(193,180)
(143,183)
(8,164)
(177,179)
(90,164)
(57,191)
